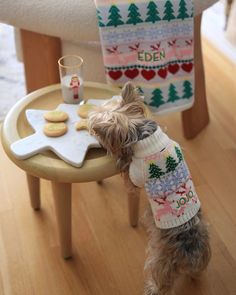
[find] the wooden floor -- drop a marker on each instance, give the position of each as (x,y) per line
(108,254)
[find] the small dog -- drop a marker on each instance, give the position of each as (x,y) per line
(179,240)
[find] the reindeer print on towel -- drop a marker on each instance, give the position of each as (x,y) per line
(150,43)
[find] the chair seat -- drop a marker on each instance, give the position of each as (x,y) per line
(69,20)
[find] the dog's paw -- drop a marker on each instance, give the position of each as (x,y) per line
(150,288)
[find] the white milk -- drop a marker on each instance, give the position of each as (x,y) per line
(68,92)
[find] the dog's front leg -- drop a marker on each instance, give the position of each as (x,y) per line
(133,200)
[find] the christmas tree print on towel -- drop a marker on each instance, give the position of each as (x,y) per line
(188,91)
(182,10)
(173,95)
(152,12)
(155,171)
(100,22)
(169,11)
(114,17)
(157,99)
(134,15)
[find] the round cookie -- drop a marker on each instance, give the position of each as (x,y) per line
(55,129)
(81,125)
(85,109)
(56,116)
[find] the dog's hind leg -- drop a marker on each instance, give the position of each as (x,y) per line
(161,265)
(163,276)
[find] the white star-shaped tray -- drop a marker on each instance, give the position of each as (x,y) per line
(71,147)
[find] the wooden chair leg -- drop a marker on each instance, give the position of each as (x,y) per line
(197,118)
(133,200)
(62,201)
(40,54)
(133,206)
(34,191)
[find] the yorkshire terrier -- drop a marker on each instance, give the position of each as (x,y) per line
(179,239)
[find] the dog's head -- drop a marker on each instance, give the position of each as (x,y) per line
(115,127)
(118,127)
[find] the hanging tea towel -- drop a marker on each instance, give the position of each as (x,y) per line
(151,44)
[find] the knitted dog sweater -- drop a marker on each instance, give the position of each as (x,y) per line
(159,166)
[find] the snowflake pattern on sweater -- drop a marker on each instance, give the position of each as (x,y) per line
(169,183)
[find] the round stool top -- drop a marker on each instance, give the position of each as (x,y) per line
(97,165)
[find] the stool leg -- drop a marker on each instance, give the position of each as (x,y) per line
(34,191)
(197,118)
(62,201)
(133,201)
(133,205)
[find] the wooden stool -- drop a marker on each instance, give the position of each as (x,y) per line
(97,166)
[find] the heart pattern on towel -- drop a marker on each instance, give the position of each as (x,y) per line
(115,75)
(173,68)
(187,67)
(131,73)
(163,73)
(148,74)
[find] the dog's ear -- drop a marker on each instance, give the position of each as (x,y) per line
(130,94)
(111,129)
(132,102)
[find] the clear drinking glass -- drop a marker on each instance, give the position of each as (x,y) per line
(71,75)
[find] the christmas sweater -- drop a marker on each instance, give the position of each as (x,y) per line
(159,166)
(151,44)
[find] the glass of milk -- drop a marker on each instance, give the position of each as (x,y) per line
(71,75)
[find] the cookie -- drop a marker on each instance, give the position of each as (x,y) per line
(85,109)
(81,125)
(55,129)
(56,116)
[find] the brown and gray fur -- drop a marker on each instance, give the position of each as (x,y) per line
(171,252)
